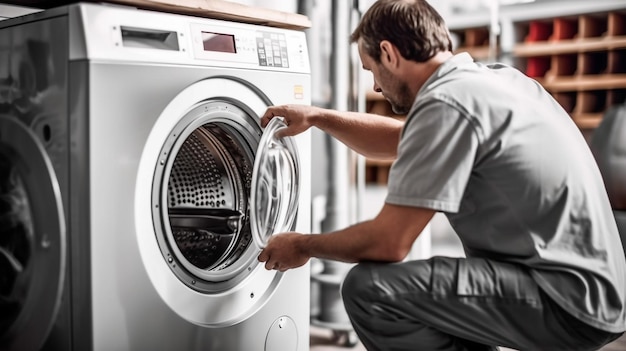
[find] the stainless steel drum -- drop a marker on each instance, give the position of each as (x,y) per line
(204,199)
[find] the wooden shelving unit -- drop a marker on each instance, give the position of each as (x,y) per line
(377,171)
(474,41)
(580,59)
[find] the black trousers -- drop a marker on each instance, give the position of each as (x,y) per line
(459,304)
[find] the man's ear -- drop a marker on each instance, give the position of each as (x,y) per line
(389,55)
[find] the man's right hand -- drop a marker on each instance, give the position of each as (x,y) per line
(298,118)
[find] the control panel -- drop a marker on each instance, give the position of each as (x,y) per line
(272,49)
(263,47)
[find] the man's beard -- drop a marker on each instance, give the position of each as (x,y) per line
(401,103)
(398,94)
(399,109)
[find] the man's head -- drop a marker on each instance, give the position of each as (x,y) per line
(399,42)
(413,26)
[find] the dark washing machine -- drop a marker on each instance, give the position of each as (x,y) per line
(137,187)
(34,190)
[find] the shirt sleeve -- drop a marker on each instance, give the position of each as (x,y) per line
(436,155)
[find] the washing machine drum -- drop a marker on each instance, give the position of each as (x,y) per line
(226,187)
(204,192)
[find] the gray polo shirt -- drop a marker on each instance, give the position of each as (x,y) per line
(515,177)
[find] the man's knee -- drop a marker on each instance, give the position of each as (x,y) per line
(356,279)
(357,286)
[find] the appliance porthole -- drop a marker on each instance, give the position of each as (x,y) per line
(16,240)
(201,195)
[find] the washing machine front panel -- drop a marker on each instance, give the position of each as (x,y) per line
(132,280)
(240,295)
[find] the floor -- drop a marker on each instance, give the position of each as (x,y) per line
(324,340)
(441,240)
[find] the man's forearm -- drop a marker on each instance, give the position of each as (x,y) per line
(370,135)
(364,241)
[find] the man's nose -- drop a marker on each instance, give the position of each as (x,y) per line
(377,88)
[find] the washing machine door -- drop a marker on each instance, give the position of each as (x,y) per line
(274,193)
(32,239)
(196,218)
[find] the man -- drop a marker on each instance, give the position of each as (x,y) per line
(492,150)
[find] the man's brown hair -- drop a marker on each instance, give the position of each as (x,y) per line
(413,26)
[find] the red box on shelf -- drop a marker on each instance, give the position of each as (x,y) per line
(565,29)
(536,67)
(539,31)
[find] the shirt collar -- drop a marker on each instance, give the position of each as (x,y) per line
(448,66)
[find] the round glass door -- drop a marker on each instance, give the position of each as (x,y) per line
(32,239)
(274,195)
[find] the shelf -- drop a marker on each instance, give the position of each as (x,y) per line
(583,83)
(477,52)
(579,59)
(377,162)
(548,48)
(377,170)
(377,104)
(218,9)
(587,120)
(531,11)
(474,41)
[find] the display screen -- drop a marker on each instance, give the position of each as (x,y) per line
(218,42)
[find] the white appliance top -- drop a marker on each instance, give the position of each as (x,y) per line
(102,32)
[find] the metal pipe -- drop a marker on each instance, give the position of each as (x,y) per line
(338,154)
(332,313)
(359,104)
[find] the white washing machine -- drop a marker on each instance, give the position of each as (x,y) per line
(137,186)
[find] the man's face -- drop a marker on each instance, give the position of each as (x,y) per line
(393,88)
